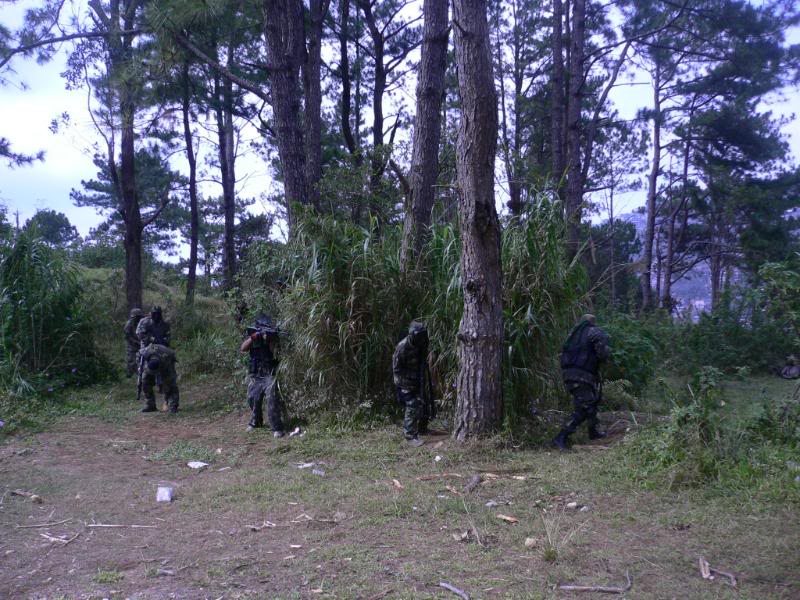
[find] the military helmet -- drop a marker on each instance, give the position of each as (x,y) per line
(155,309)
(418,334)
(590,318)
(136,312)
(416,327)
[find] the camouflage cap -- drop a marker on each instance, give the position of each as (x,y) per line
(156,309)
(589,317)
(136,312)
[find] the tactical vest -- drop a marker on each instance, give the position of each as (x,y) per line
(578,352)
(262,361)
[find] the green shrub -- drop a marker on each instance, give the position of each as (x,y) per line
(47,336)
(347,304)
(705,442)
(634,350)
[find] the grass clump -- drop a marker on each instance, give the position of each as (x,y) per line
(107,577)
(183,450)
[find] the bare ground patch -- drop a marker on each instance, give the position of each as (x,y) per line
(370,516)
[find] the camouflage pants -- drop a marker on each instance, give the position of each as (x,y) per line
(168,380)
(415,419)
(259,389)
(131,360)
(585,401)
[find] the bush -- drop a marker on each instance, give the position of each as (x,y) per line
(634,350)
(347,304)
(46,336)
(704,442)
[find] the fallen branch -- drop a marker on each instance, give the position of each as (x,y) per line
(31,496)
(65,542)
(44,524)
(598,588)
(454,589)
(264,525)
(110,526)
(439,476)
(708,572)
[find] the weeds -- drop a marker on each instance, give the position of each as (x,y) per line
(184,451)
(557,535)
(107,577)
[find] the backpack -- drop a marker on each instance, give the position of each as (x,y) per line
(578,352)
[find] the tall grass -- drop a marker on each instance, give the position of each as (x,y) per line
(46,334)
(347,304)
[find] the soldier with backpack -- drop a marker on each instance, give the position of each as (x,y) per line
(413,381)
(583,352)
(158,363)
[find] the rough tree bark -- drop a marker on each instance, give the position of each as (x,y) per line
(574,194)
(313,99)
(194,217)
(427,130)
(479,399)
(223,100)
(652,191)
(285,36)
(669,265)
(557,112)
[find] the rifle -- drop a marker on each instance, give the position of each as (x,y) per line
(139,377)
(267,330)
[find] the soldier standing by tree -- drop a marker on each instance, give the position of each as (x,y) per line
(412,378)
(132,341)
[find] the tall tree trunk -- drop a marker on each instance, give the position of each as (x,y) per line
(378,160)
(130,203)
(194,216)
(313,98)
(669,266)
(427,130)
(480,336)
(574,196)
(285,35)
(652,192)
(344,70)
(557,110)
(612,227)
(223,92)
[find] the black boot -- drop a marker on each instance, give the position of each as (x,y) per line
(596,434)
(150,408)
(560,441)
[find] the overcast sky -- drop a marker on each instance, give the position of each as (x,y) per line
(27,114)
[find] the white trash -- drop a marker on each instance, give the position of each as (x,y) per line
(196,464)
(164,494)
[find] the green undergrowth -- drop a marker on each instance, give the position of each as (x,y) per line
(735,438)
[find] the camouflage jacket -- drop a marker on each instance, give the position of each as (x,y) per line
(130,332)
(406,366)
(149,332)
(166,356)
(592,349)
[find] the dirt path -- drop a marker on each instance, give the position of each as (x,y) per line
(357,523)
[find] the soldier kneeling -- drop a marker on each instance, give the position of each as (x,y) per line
(159,362)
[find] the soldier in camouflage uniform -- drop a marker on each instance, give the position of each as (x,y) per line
(583,352)
(132,342)
(158,362)
(412,379)
(261,385)
(153,329)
